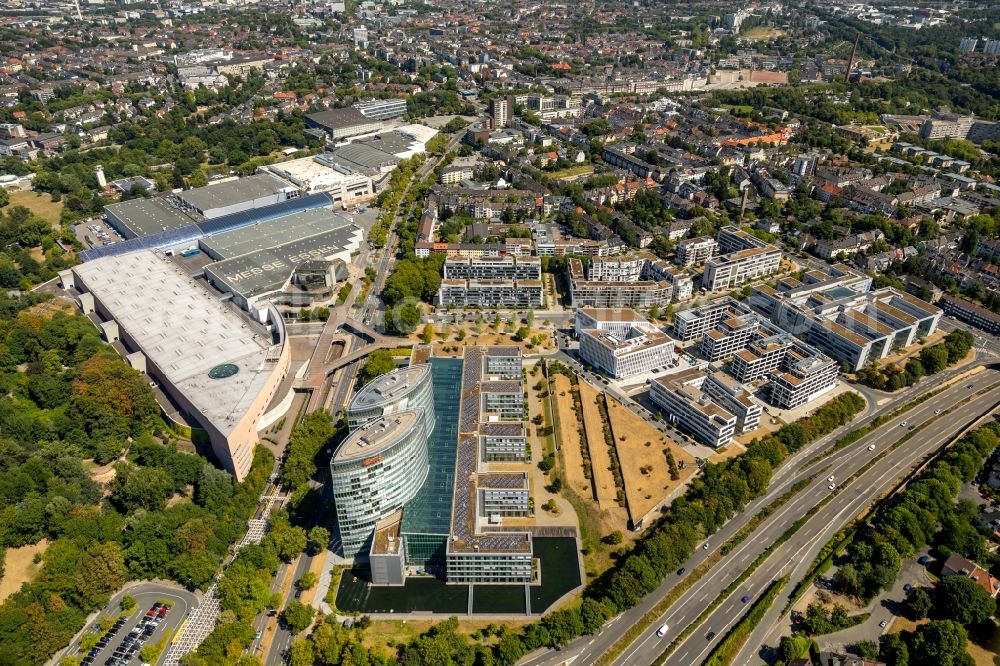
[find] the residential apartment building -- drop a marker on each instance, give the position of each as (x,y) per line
(484,282)
(493,268)
(695,251)
(743,257)
(490,294)
(599,294)
(971,313)
(685,405)
(635,281)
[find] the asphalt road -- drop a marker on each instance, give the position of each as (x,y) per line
(146,594)
(282,640)
(585,649)
(797,554)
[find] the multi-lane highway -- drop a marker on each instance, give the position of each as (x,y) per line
(795,556)
(841,465)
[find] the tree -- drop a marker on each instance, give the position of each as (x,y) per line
(301,653)
(963,600)
(297,616)
(88,641)
(319,539)
(614,538)
(934,359)
(918,605)
(893,651)
(939,643)
(379,362)
(4,197)
(403,319)
(593,614)
(794,647)
(308,581)
(865,649)
(523,333)
(288,541)
(139,488)
(127,603)
(428,335)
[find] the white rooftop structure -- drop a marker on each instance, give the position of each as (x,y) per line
(218,362)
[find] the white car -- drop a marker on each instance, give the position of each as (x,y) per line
(830,479)
(832,486)
(903,424)
(662,631)
(871,447)
(937,411)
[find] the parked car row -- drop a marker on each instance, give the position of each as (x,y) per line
(133,641)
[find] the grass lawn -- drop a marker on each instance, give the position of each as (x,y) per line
(19,567)
(761,32)
(39,204)
(389,633)
(573,171)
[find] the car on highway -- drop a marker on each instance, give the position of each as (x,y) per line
(710,635)
(662,631)
(871,447)
(745,598)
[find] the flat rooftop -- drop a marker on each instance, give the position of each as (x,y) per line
(305,169)
(185,331)
(612,314)
(465,538)
(268,269)
(363,157)
(376,436)
(275,232)
(144,217)
(387,388)
(234,192)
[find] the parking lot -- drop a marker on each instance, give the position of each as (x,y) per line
(159,611)
(94,232)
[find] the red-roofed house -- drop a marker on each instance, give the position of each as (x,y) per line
(956,565)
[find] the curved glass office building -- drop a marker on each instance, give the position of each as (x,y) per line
(375,471)
(403,389)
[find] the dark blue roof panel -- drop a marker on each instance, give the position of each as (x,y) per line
(193,232)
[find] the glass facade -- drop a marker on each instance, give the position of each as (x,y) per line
(373,473)
(427,517)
